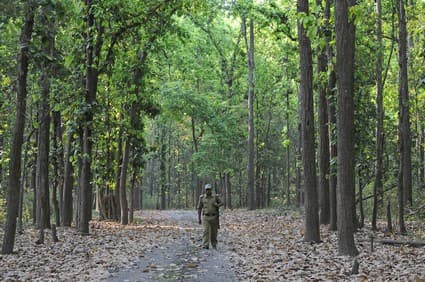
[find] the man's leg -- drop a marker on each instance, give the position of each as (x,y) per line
(214,230)
(206,234)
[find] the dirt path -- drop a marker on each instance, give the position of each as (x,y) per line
(180,257)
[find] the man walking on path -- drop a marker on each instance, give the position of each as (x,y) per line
(208,207)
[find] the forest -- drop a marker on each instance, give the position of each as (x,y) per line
(309,109)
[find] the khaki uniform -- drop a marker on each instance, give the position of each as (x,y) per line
(208,206)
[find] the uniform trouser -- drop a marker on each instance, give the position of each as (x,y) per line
(210,230)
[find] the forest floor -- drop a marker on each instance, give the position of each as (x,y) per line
(263,245)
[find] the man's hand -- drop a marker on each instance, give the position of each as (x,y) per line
(200,221)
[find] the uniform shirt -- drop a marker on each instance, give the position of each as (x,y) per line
(209,204)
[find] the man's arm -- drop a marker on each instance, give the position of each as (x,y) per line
(200,206)
(218,203)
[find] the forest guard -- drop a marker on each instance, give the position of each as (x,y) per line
(208,208)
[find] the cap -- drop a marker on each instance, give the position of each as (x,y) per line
(207,186)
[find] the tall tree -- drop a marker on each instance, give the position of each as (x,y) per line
(311,225)
(322,62)
(249,42)
(43,142)
(405,164)
(93,46)
(18,130)
(345,49)
(331,101)
(379,145)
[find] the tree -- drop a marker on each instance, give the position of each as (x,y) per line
(405,162)
(331,101)
(18,130)
(312,231)
(345,49)
(377,186)
(322,62)
(43,142)
(249,42)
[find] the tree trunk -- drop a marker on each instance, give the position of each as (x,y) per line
(311,232)
(377,187)
(331,101)
(345,41)
(322,62)
(332,152)
(404,116)
(132,195)
(228,191)
(288,164)
(123,183)
(300,192)
(67,208)
(57,166)
(92,52)
(163,169)
(422,159)
(18,132)
(361,209)
(47,45)
(117,210)
(33,183)
(251,165)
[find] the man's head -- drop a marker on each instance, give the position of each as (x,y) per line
(208,189)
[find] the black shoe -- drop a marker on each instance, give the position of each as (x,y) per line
(206,248)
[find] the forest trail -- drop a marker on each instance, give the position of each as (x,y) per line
(181,258)
(261,245)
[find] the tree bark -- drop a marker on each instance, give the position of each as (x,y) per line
(311,205)
(57,167)
(345,44)
(43,143)
(18,132)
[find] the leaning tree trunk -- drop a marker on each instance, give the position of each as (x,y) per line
(18,132)
(345,44)
(312,231)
